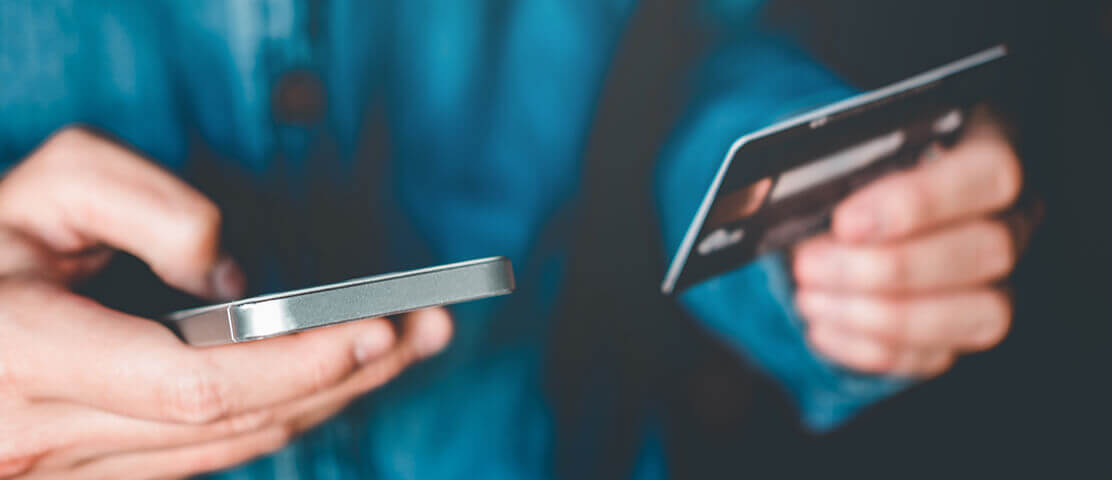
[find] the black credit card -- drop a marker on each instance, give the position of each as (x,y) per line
(779,185)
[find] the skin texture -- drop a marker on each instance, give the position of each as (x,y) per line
(908,278)
(75,401)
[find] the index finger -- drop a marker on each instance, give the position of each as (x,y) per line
(980,175)
(79,190)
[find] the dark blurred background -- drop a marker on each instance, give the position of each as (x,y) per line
(1035,405)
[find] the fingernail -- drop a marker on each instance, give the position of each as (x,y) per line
(226,280)
(373,344)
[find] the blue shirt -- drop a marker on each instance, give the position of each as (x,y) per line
(486,107)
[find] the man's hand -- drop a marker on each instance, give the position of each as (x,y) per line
(907,279)
(88,392)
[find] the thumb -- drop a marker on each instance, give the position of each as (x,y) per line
(79,190)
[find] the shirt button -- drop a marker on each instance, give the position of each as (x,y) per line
(298,97)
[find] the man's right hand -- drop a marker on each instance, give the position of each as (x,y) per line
(89,392)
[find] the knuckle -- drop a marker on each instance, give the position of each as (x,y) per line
(73,132)
(914,204)
(880,358)
(889,320)
(194,397)
(325,372)
(320,374)
(70,136)
(58,150)
(886,268)
(41,172)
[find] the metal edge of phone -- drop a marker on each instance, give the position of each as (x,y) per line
(380,295)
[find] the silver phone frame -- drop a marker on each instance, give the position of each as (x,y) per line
(374,296)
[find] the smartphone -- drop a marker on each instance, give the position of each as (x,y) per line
(375,296)
(779,185)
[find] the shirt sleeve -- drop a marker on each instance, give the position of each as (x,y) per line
(748,83)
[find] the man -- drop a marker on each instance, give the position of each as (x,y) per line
(335,138)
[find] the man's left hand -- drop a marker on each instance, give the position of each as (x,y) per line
(908,278)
